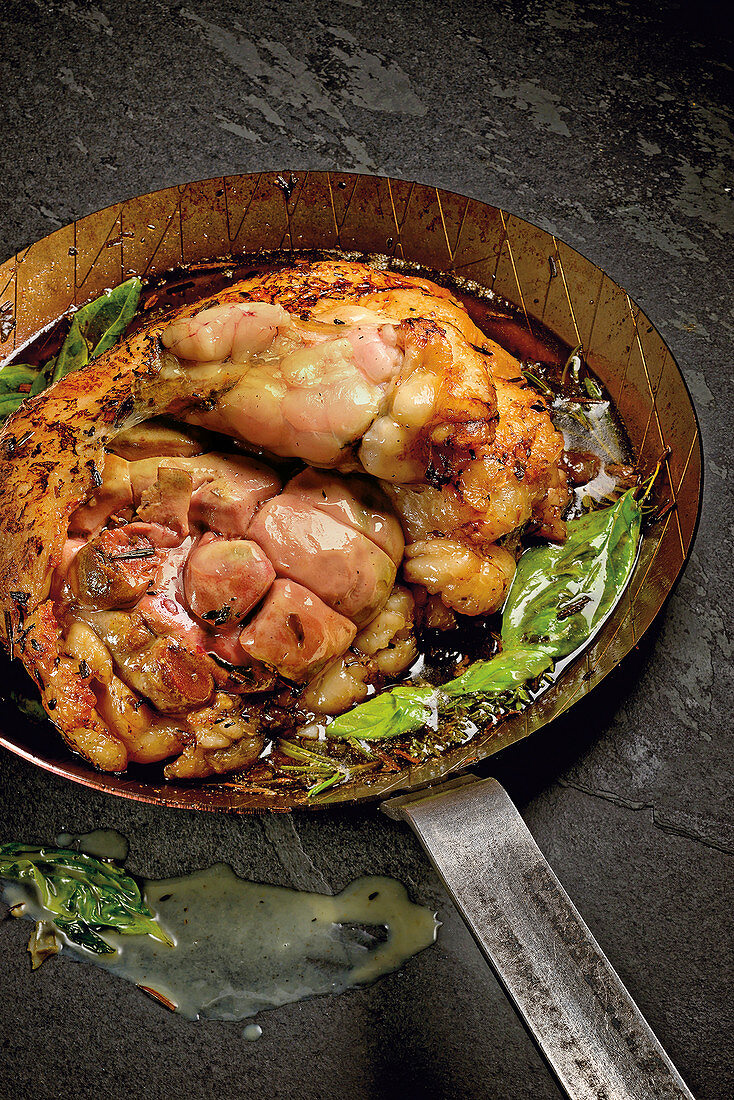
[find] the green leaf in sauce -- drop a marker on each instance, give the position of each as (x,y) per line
(96,327)
(558,598)
(86,896)
(560,593)
(13,375)
(509,671)
(395,712)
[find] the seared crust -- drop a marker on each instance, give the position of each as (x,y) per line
(51,459)
(308,289)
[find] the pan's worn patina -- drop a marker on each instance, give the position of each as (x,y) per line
(548,282)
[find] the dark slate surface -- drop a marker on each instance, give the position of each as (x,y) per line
(606,123)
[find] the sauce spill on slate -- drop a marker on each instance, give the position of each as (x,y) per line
(244,947)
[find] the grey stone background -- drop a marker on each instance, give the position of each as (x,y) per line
(608,124)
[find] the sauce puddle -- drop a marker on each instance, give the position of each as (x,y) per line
(243,947)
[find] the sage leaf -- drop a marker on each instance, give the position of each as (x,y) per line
(83,896)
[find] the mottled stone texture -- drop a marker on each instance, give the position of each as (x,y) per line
(606,123)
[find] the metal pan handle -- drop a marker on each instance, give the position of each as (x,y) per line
(595,1039)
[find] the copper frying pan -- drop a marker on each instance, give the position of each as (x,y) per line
(229,217)
(548,281)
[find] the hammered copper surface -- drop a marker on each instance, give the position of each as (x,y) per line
(542,276)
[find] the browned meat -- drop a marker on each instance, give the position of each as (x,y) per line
(340,365)
(113,569)
(226,489)
(114,497)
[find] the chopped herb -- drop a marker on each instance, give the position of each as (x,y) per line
(132,555)
(96,475)
(218,617)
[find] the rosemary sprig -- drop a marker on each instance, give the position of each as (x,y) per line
(325,770)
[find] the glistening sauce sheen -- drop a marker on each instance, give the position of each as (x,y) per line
(244,947)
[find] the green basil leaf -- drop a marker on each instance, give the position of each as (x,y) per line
(560,594)
(84,936)
(43,378)
(84,895)
(96,327)
(401,710)
(16,374)
(509,670)
(74,353)
(10,402)
(32,708)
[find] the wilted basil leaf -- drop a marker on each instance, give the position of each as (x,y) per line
(96,327)
(401,710)
(13,375)
(84,895)
(509,670)
(560,594)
